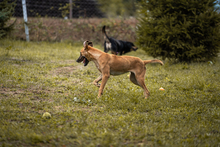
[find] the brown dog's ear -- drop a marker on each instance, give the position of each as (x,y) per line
(85,44)
(90,43)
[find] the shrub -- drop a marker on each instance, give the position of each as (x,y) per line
(6,11)
(184,30)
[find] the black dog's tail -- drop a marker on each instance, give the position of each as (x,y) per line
(104,32)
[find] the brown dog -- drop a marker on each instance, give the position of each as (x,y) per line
(109,64)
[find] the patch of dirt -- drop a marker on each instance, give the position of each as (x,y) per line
(66,72)
(63,70)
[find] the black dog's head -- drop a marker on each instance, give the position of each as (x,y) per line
(128,47)
(132,46)
(84,56)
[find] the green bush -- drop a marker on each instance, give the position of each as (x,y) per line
(6,11)
(184,30)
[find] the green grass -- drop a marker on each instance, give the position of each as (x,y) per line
(40,77)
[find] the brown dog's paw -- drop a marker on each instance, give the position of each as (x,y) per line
(96,84)
(99,96)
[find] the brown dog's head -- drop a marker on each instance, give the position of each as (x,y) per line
(84,56)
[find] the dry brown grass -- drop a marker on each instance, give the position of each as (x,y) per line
(76,30)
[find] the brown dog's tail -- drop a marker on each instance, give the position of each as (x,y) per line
(153,61)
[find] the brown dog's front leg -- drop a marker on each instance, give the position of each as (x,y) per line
(104,81)
(95,82)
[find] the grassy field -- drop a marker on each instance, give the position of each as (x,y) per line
(40,77)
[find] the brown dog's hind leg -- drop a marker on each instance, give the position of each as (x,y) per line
(133,79)
(95,82)
(140,82)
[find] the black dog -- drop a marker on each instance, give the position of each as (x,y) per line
(117,46)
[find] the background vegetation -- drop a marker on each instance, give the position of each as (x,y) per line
(184,30)
(115,8)
(74,30)
(40,77)
(6,11)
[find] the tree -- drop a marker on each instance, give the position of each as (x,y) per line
(186,30)
(6,11)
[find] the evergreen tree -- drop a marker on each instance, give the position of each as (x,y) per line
(187,30)
(6,11)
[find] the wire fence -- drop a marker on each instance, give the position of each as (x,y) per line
(87,22)
(60,8)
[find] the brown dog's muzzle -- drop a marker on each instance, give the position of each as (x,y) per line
(82,59)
